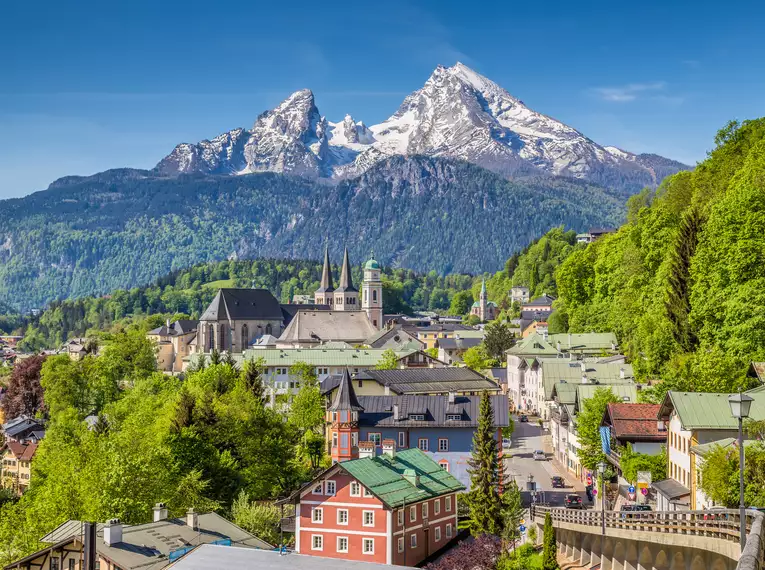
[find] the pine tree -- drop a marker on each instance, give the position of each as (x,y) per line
(678,304)
(512,512)
(550,552)
(253,379)
(214,357)
(228,360)
(483,499)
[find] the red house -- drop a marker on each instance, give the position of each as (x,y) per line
(396,508)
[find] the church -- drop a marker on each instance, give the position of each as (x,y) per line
(236,318)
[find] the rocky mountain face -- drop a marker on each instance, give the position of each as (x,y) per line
(458,113)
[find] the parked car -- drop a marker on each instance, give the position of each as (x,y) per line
(507,443)
(573,501)
(523,419)
(558,483)
(633,508)
(539,455)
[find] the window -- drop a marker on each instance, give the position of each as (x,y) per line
(368,546)
(355,489)
(369,518)
(448,504)
(448,531)
(54,563)
(317,490)
(437,533)
(317,515)
(374,295)
(412,514)
(354,438)
(401,544)
(330,487)
(422,443)
(413,540)
(402,439)
(417,417)
(444,465)
(443,444)
(401,517)
(72,564)
(317,542)
(334,439)
(342,516)
(342,544)
(453,417)
(425,510)
(375,437)
(437,506)
(368,493)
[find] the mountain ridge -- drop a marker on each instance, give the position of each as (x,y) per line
(458,113)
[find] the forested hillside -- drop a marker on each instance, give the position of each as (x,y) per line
(125,228)
(683,281)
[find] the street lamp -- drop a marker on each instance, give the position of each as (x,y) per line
(739,409)
(602,472)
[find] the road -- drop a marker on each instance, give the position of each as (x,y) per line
(526,438)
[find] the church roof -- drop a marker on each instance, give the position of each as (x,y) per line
(326,276)
(322,326)
(345,397)
(243,304)
(346,280)
(372,263)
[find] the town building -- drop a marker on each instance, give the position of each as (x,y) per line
(23,429)
(372,294)
(17,465)
(174,343)
(451,350)
(396,508)
(484,309)
(636,425)
(542,303)
(393,337)
(431,333)
(440,425)
(311,328)
(694,419)
(593,234)
(519,295)
(151,546)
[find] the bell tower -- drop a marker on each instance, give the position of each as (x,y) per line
(371,288)
(346,295)
(324,295)
(343,420)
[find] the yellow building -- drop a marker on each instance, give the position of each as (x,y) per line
(174,343)
(16,467)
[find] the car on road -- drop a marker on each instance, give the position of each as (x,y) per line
(632,508)
(507,443)
(523,419)
(573,501)
(558,482)
(539,455)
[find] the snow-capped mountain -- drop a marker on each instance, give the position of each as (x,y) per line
(458,113)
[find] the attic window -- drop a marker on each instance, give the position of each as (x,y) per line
(625,398)
(417,417)
(453,417)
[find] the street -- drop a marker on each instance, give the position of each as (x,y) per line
(528,437)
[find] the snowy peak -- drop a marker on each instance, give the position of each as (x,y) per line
(457,113)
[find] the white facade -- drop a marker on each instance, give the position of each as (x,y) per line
(371,290)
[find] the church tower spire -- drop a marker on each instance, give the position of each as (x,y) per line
(346,295)
(343,417)
(483,301)
(371,287)
(324,294)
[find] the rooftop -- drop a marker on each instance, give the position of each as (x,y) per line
(322,356)
(244,304)
(379,411)
(708,410)
(429,380)
(317,326)
(635,422)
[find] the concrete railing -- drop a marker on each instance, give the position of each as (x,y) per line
(716,524)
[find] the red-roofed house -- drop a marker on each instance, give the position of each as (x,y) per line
(16,467)
(636,424)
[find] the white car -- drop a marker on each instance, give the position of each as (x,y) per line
(539,455)
(507,443)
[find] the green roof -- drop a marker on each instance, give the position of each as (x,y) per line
(705,448)
(565,392)
(709,410)
(372,264)
(533,345)
(555,370)
(621,391)
(319,356)
(584,342)
(385,477)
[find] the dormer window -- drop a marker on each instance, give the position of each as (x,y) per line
(417,417)
(453,417)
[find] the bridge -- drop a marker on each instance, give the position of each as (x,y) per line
(656,540)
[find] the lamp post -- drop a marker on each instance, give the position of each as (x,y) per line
(602,472)
(739,409)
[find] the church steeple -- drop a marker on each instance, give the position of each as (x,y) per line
(346,295)
(343,416)
(323,295)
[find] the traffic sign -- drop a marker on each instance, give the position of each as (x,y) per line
(523,521)
(522,528)
(632,489)
(594,491)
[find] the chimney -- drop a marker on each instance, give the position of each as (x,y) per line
(389,447)
(395,412)
(613,346)
(160,512)
(622,373)
(557,346)
(387,390)
(569,340)
(89,546)
(366,449)
(167,324)
(584,378)
(113,532)
(452,396)
(192,519)
(583,366)
(411,476)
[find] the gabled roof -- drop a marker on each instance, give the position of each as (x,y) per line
(576,342)
(731,442)
(392,337)
(558,369)
(15,428)
(539,301)
(323,326)
(385,477)
(671,489)
(345,397)
(757,370)
(625,392)
(243,304)
(379,411)
(430,380)
(458,343)
(634,422)
(21,451)
(533,345)
(321,356)
(708,410)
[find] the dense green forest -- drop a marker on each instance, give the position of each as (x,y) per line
(126,228)
(682,283)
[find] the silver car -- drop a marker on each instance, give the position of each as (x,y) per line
(539,455)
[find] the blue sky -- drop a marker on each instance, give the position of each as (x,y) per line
(86,86)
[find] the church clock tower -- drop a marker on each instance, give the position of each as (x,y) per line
(371,288)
